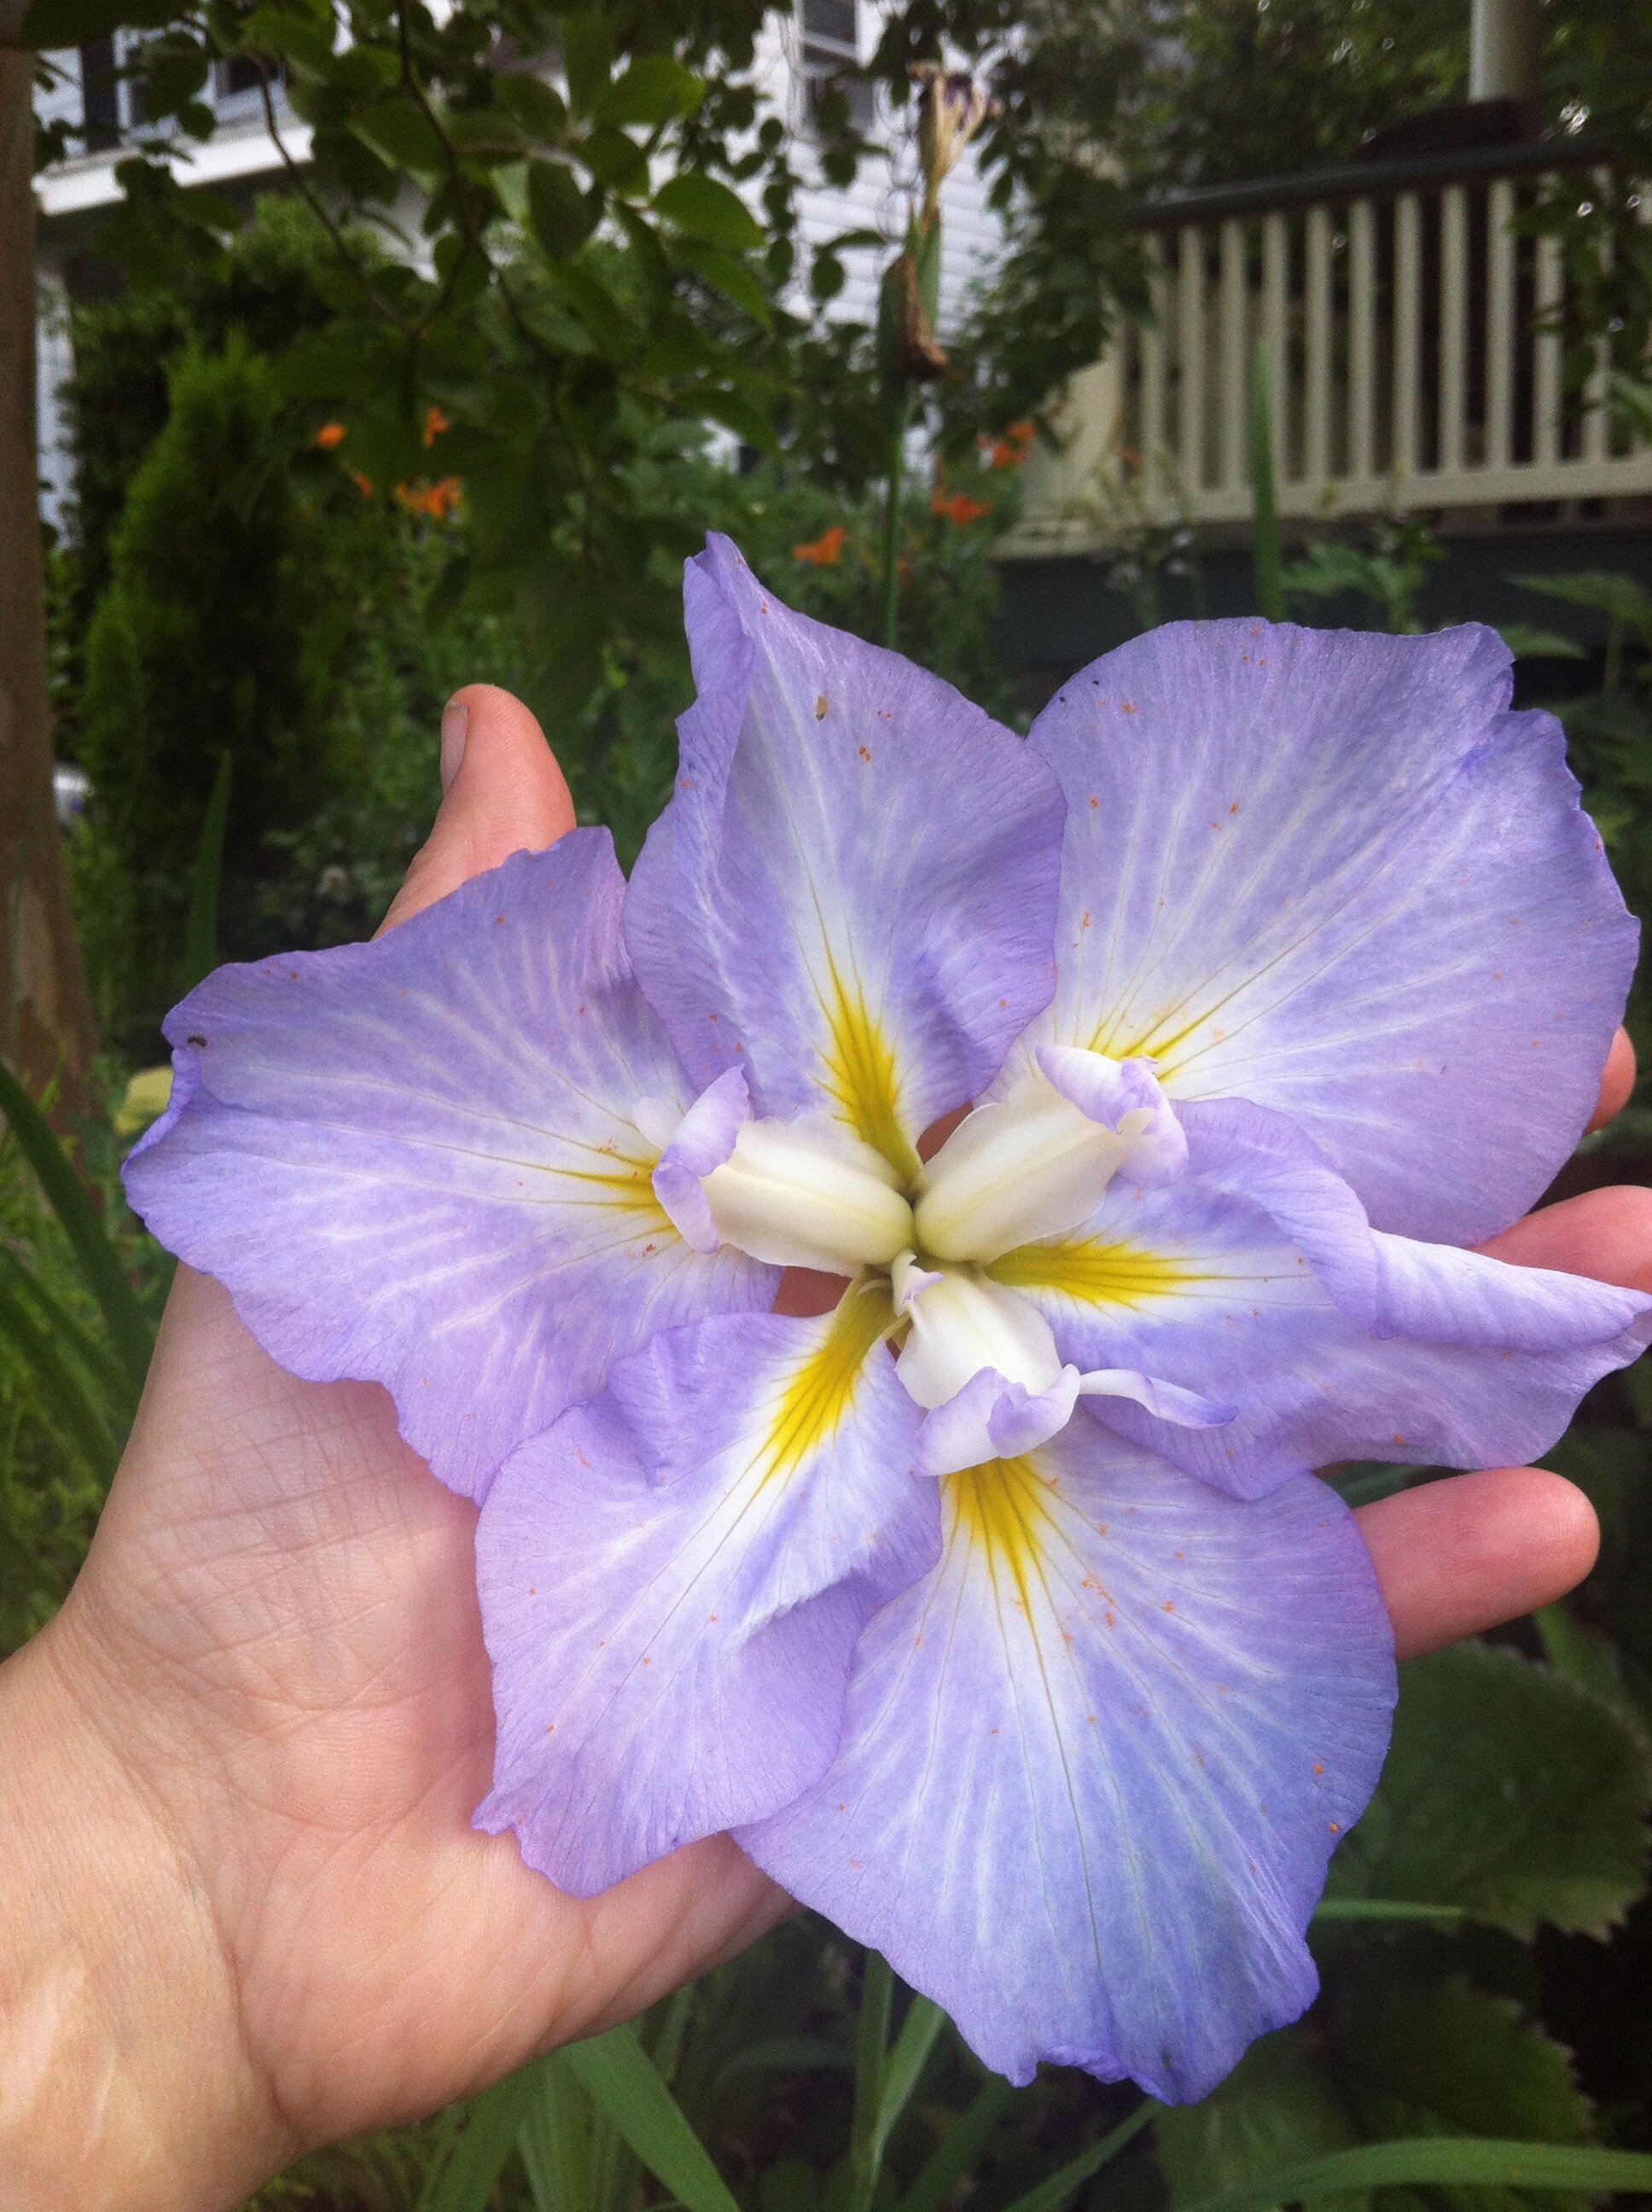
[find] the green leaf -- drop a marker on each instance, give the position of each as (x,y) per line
(1619,598)
(1452,2061)
(1532,1813)
(588,57)
(537,105)
(1436,2162)
(871,2060)
(1061,2186)
(705,207)
(656,89)
(555,2138)
(299,36)
(731,278)
(119,1396)
(593,306)
(1584,1655)
(919,2031)
(1276,2107)
(172,75)
(401,134)
(620,2078)
(1528,642)
(561,216)
(785,2054)
(69,1404)
(49,23)
(747,420)
(466,2183)
(129,1330)
(616,161)
(959,2148)
(201,931)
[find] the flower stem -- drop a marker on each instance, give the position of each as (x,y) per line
(894,500)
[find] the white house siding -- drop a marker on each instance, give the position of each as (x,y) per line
(882,194)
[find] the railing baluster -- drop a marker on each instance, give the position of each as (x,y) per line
(1546,372)
(1236,354)
(1190,346)
(1316,415)
(1152,378)
(1351,325)
(1596,392)
(1362,337)
(1500,325)
(1407,317)
(1276,248)
(1454,325)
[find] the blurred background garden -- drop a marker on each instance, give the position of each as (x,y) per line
(366,348)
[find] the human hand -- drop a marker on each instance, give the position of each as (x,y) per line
(250,1914)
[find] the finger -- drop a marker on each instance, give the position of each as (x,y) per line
(1603,1234)
(502,792)
(1617,1081)
(1466,1554)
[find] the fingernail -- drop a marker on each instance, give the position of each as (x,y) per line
(455,722)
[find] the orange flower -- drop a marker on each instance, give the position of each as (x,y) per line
(959,507)
(328,435)
(437,500)
(363,484)
(435,424)
(824,551)
(1012,448)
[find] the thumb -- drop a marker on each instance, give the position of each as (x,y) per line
(502,792)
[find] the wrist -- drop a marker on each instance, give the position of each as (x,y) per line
(125,2083)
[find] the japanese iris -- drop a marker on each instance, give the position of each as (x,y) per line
(996,1611)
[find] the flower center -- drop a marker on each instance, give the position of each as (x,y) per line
(809,1194)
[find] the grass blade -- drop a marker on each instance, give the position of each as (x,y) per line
(871,2058)
(1264,535)
(556,2139)
(466,2183)
(922,2025)
(68,1404)
(201,931)
(1051,2194)
(623,2082)
(130,1332)
(1424,2161)
(95,1356)
(959,2148)
(1392,1909)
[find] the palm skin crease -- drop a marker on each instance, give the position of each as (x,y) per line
(273,1659)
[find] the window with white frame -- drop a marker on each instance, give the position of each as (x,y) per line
(828,46)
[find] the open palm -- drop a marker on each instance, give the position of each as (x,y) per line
(277,1643)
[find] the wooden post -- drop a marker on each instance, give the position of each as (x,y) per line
(47,1028)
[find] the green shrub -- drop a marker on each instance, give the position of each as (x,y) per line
(215,634)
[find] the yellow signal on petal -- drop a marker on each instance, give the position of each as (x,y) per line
(860,1075)
(1000,1509)
(623,1183)
(1093,1273)
(820,1393)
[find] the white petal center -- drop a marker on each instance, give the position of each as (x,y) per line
(960,1323)
(801,1195)
(1027,1166)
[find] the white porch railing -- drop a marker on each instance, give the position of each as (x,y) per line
(1413,336)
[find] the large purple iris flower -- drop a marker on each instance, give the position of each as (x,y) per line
(1278,966)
